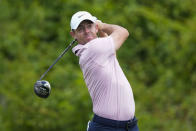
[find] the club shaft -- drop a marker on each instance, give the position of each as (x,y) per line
(69,46)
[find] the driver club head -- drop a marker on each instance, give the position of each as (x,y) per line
(42,88)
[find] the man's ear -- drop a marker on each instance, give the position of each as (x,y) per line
(72,33)
(96,27)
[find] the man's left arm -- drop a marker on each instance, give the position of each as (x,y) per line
(118,33)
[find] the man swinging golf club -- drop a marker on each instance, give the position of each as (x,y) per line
(110,91)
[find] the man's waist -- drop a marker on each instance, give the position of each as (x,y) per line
(115,123)
(113,111)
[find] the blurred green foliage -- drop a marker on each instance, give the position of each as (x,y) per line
(159,60)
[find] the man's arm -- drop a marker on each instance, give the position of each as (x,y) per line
(102,34)
(118,33)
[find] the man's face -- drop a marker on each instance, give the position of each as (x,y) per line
(85,32)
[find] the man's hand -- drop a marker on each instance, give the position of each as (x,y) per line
(101,33)
(99,24)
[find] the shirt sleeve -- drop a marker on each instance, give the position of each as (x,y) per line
(103,50)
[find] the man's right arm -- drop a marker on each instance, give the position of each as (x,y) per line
(118,33)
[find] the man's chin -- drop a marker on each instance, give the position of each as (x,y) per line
(89,39)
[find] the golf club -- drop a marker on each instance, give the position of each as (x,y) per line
(42,87)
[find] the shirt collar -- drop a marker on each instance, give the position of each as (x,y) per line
(77,49)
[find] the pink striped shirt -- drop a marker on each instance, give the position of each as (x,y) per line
(109,88)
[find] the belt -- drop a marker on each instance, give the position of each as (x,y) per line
(114,123)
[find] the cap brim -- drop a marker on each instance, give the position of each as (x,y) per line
(93,19)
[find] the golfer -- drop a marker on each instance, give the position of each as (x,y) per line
(110,91)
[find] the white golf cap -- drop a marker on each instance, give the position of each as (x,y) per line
(80,16)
